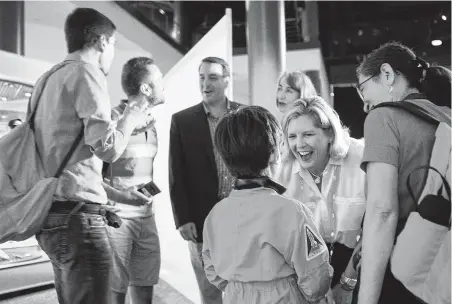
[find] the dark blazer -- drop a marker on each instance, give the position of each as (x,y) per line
(193,177)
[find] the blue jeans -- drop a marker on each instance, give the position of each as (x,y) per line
(78,247)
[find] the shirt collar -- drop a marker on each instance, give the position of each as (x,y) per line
(297,168)
(258,182)
(207,111)
(77,56)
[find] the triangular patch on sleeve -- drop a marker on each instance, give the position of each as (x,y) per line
(314,245)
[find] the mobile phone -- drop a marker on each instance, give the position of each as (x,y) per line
(150,189)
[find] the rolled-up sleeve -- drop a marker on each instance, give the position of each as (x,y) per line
(92,104)
(382,139)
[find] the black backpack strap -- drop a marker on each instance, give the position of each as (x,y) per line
(412,108)
(445,183)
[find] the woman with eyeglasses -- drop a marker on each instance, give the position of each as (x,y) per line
(326,177)
(397,142)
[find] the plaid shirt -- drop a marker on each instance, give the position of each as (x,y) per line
(225,179)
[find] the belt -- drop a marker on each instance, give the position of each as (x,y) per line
(68,206)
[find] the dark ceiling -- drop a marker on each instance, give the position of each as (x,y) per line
(350,29)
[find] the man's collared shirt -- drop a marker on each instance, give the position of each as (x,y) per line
(225,179)
(76,97)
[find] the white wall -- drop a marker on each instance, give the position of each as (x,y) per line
(44,37)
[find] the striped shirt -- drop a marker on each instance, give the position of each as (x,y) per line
(134,168)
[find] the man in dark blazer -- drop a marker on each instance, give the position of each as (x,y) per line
(198,177)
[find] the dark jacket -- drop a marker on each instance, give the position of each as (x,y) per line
(193,177)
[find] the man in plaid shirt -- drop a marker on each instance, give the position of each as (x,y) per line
(198,176)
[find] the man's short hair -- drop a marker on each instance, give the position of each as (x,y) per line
(246,139)
(83,26)
(133,73)
(224,64)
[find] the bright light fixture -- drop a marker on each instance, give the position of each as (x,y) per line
(437,42)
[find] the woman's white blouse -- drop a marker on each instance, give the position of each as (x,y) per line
(339,207)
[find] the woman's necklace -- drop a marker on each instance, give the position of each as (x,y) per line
(317,178)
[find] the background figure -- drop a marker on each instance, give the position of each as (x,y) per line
(136,246)
(198,177)
(292,86)
(14,123)
(326,177)
(74,235)
(261,247)
(397,142)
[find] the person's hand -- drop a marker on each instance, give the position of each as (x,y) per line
(146,124)
(342,296)
(138,111)
(188,232)
(328,299)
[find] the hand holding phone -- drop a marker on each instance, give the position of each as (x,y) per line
(150,189)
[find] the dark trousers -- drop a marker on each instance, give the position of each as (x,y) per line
(341,256)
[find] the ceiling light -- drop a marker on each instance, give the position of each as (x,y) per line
(444,17)
(27,94)
(437,42)
(162,11)
(3,99)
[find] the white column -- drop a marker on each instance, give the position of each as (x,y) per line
(266,44)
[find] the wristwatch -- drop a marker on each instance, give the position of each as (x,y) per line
(347,283)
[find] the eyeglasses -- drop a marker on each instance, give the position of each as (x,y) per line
(358,86)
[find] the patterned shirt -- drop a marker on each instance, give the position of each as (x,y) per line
(134,167)
(225,179)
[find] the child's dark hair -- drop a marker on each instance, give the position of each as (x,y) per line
(246,140)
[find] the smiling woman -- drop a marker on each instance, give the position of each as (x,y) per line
(323,173)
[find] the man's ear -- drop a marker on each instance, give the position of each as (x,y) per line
(226,80)
(146,89)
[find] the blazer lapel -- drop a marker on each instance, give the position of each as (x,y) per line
(203,135)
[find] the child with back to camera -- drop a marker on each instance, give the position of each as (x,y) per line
(261,247)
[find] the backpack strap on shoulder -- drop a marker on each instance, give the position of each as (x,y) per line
(412,108)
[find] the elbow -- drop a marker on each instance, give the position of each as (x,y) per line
(383,214)
(109,156)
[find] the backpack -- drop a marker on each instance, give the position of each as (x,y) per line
(421,257)
(26,190)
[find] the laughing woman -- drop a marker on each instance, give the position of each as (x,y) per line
(323,172)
